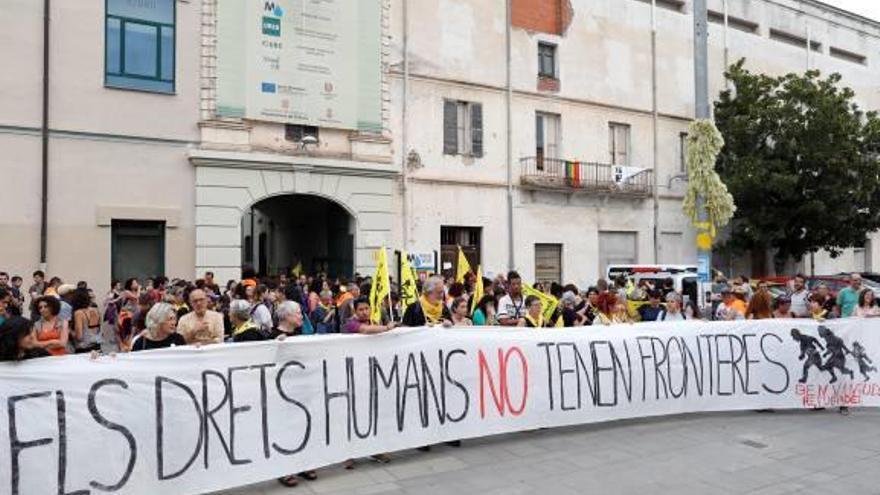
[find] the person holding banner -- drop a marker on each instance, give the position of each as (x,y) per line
(429,309)
(361,323)
(161,329)
(511,307)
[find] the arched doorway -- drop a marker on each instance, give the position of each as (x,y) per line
(280,232)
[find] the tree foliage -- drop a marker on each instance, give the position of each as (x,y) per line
(801,161)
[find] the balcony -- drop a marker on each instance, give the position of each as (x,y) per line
(592,178)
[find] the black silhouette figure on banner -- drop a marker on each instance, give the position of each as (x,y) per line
(836,352)
(865,362)
(810,348)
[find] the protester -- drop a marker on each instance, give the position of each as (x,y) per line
(822,305)
(799,297)
(244,329)
(324,316)
(848,297)
(460,310)
(731,307)
(867,307)
(17,341)
(261,307)
(511,307)
(361,323)
(533,317)
(760,306)
(782,308)
(672,311)
(652,310)
(484,315)
(429,309)
(50,331)
(86,334)
(5,298)
(161,331)
(201,325)
(570,316)
(290,320)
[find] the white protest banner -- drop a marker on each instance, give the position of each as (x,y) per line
(193,420)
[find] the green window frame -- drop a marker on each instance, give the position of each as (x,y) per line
(158,76)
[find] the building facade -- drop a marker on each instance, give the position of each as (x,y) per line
(190,135)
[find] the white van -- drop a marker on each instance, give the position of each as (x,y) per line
(685,283)
(614,271)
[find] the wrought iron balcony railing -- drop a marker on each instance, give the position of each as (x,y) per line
(574,176)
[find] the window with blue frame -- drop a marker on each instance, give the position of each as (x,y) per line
(140,38)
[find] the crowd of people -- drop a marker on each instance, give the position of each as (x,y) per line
(53,318)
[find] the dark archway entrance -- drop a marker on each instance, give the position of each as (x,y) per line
(282,231)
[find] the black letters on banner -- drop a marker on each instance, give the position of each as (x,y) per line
(160,428)
(15,444)
(287,398)
(125,432)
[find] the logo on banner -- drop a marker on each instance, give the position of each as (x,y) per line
(272,14)
(831,357)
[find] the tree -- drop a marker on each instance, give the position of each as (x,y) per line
(801,161)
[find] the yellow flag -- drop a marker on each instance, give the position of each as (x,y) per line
(297,270)
(548,303)
(380,289)
(478,289)
(409,293)
(463,266)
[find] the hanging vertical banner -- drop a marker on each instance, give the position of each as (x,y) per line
(192,420)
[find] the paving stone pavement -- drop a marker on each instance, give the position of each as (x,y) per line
(804,452)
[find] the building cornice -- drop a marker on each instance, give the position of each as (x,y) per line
(289,163)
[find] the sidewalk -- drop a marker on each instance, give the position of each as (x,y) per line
(730,453)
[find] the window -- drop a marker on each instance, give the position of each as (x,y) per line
(547,60)
(137,249)
(548,263)
(617,248)
(734,22)
(546,137)
(139,45)
(296,133)
(847,55)
(673,5)
(793,39)
(618,143)
(682,152)
(462,128)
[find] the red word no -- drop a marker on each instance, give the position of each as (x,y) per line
(501,394)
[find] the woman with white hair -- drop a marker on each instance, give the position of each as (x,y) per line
(243,327)
(290,319)
(161,331)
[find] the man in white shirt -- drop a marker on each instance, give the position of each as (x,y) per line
(201,325)
(511,308)
(799,296)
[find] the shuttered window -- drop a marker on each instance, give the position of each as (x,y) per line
(462,128)
(618,143)
(548,263)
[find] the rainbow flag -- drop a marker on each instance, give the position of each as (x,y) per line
(573,173)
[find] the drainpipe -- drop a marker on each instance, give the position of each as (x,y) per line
(809,44)
(403,130)
(507,32)
(656,188)
(44,136)
(726,50)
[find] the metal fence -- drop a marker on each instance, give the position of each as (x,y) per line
(555,173)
